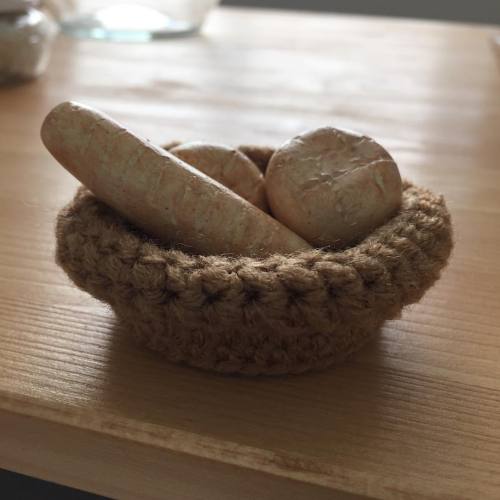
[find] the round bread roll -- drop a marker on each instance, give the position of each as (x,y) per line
(228,166)
(332,187)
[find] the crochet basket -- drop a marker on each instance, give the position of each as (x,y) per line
(275,315)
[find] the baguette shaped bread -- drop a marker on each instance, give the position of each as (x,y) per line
(157,191)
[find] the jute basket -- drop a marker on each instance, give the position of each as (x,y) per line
(275,315)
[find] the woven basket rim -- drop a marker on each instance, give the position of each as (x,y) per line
(153,248)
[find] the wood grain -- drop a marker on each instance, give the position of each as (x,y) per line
(130,470)
(415,414)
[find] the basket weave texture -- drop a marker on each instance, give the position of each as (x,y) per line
(274,315)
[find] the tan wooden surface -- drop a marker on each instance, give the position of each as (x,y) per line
(414,415)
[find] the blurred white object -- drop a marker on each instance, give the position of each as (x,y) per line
(26,36)
(141,20)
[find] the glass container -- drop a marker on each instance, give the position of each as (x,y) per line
(133,21)
(26,36)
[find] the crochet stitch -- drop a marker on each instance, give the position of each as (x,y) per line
(274,315)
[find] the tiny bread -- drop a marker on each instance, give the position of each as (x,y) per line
(228,166)
(157,191)
(332,187)
(258,154)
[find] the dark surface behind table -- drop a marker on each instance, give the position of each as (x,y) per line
(18,487)
(480,11)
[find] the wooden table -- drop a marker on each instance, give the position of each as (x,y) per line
(416,414)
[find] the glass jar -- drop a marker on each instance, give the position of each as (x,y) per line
(132,20)
(26,35)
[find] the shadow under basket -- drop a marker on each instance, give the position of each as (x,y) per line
(275,315)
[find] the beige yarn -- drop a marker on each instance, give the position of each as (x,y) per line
(281,314)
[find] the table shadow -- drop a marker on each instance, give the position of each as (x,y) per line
(321,411)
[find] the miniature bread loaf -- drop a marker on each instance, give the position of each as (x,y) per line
(332,187)
(228,166)
(157,191)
